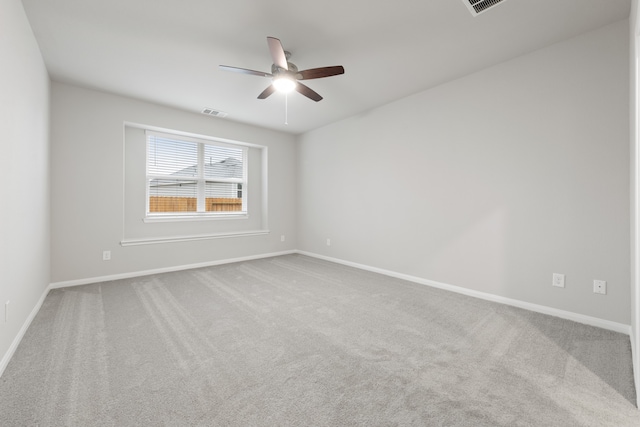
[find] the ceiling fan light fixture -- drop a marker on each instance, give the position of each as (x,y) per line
(284,84)
(285,76)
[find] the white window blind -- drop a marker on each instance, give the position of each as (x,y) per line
(190,176)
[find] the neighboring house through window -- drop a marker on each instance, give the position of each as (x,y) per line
(190,176)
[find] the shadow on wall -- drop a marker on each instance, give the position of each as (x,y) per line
(481,248)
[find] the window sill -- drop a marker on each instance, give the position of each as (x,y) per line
(157,240)
(204,217)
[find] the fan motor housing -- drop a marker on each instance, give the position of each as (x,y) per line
(292,68)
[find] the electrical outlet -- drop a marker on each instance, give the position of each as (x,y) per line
(328,242)
(600,287)
(106,255)
(282,238)
(558,280)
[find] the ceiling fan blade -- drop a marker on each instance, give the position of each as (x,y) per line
(267,92)
(318,73)
(277,53)
(245,71)
(308,92)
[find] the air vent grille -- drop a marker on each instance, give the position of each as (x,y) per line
(215,113)
(476,7)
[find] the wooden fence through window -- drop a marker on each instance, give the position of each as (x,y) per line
(189,204)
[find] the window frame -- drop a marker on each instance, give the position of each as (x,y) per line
(200,179)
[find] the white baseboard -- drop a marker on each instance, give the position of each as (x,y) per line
(580,318)
(90,280)
(18,338)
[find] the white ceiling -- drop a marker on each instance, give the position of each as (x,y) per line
(168,51)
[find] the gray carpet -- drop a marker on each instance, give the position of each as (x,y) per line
(296,341)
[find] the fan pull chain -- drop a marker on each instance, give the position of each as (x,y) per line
(286,109)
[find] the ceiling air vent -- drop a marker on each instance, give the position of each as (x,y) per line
(476,7)
(214,113)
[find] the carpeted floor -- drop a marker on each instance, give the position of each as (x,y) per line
(296,341)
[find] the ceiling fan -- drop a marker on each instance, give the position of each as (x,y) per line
(285,75)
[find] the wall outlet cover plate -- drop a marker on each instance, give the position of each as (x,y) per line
(558,280)
(600,287)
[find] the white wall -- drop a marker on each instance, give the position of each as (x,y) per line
(634,54)
(24,175)
(491,182)
(88,188)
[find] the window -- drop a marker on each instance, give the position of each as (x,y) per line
(193,177)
